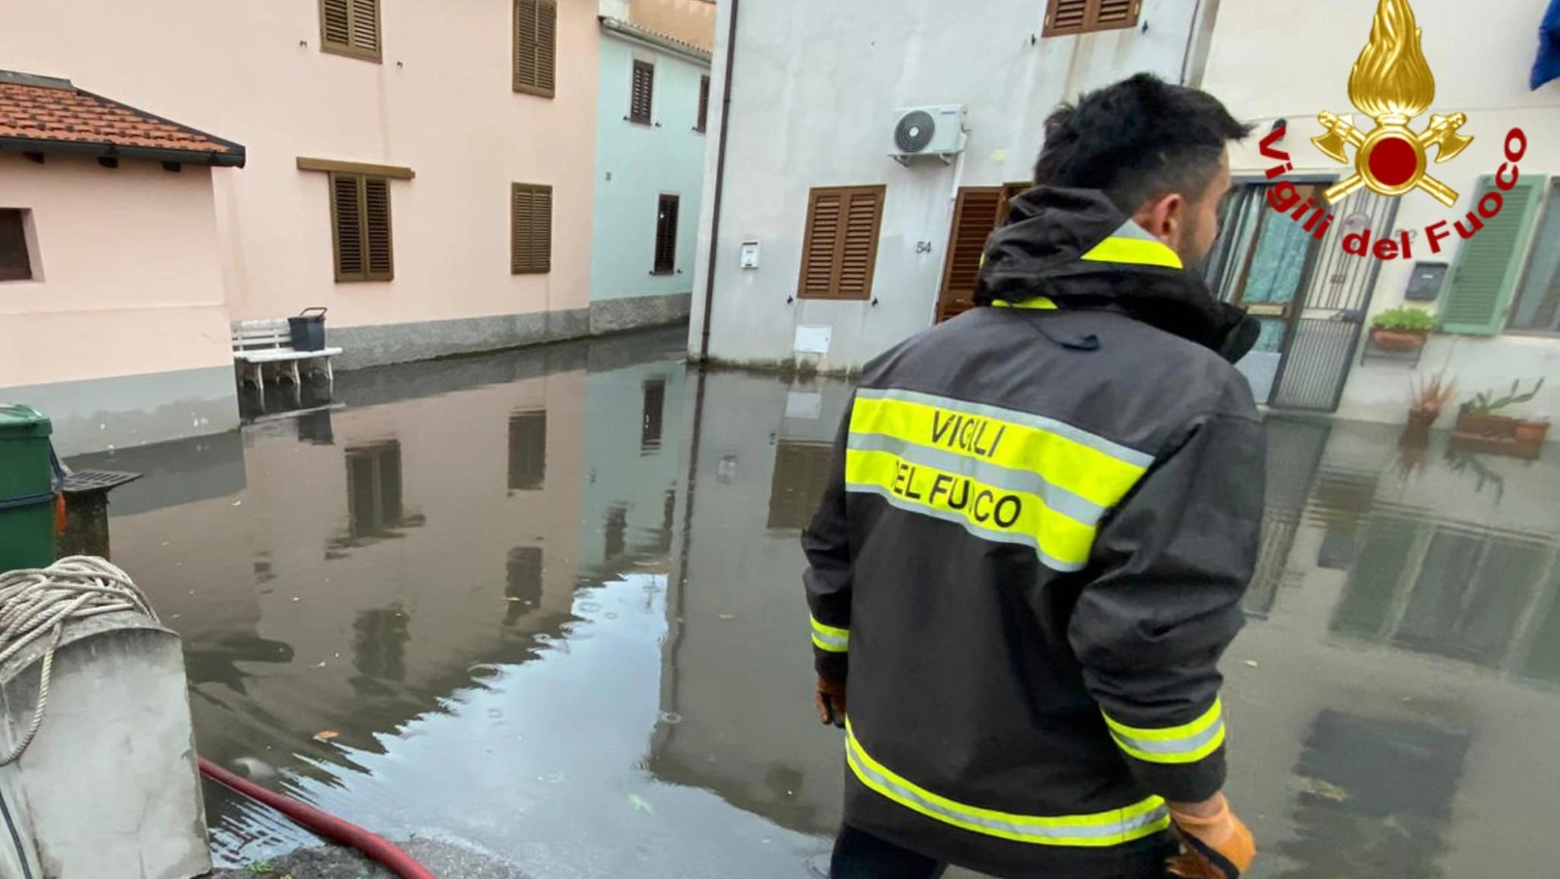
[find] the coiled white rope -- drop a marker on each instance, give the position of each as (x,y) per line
(40,603)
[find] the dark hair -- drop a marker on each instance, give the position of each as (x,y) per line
(1137,140)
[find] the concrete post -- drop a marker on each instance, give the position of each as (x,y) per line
(110,787)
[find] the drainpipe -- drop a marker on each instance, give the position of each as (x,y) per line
(720,182)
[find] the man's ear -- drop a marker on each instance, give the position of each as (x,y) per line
(1164,218)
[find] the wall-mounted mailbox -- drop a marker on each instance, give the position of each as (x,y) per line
(1424,285)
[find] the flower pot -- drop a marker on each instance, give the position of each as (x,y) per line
(1397,340)
(1492,426)
(1532,432)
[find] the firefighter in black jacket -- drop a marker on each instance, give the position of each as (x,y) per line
(1040,522)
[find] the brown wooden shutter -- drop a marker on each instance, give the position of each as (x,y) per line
(365,26)
(336,22)
(530,229)
(1066,17)
(704,103)
(839,251)
(858,252)
(350,27)
(347,224)
(975,214)
(666,236)
(641,99)
(377,229)
(536,47)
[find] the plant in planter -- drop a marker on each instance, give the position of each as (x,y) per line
(1477,421)
(1402,329)
(1429,398)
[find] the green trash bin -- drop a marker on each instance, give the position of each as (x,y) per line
(27,489)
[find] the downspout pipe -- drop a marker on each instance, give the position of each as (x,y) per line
(720,180)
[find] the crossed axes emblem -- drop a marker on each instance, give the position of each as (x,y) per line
(1442,134)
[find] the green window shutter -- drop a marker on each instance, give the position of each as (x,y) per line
(1488,265)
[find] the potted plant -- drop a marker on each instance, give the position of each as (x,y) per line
(1402,329)
(1478,423)
(1428,398)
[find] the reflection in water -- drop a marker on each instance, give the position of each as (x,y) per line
(589,655)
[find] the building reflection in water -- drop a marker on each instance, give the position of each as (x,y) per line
(559,613)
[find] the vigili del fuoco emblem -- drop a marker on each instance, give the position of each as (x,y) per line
(1392,83)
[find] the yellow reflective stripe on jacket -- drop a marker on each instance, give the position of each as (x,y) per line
(990,512)
(830,638)
(1039,303)
(1099,830)
(1072,460)
(1132,245)
(1187,743)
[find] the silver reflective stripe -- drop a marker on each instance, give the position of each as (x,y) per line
(1185,745)
(1021,828)
(964,522)
(830,638)
(1058,500)
(1049,425)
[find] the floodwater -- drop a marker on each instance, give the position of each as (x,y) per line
(547,606)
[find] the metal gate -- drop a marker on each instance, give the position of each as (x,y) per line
(1310,296)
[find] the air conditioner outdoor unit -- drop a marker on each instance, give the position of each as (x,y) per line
(929,131)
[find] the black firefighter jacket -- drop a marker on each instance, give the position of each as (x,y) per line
(1040,522)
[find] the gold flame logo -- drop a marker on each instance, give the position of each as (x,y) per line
(1392,83)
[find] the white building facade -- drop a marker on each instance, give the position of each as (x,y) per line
(827,250)
(1496,295)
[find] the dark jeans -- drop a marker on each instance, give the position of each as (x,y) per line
(860,855)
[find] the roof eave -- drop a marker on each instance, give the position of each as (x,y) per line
(233,157)
(633,34)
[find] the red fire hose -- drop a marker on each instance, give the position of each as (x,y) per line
(326,825)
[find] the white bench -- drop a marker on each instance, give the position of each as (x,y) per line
(261,343)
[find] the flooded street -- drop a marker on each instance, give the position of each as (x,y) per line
(547,606)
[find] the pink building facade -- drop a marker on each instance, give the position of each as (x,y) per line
(479,118)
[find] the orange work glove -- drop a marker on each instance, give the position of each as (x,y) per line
(1218,845)
(830,699)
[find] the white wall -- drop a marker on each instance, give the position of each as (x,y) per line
(815,87)
(1486,78)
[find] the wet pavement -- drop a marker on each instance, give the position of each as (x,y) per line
(544,609)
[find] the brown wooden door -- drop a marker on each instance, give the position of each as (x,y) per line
(974,216)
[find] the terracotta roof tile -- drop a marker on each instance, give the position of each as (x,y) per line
(55,112)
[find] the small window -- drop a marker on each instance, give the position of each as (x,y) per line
(530,229)
(360,220)
(374,489)
(1067,17)
(641,99)
(350,27)
(536,47)
(704,105)
(527,451)
(666,236)
(15,262)
(839,252)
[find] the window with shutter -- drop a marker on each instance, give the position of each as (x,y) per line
(839,250)
(536,47)
(666,236)
(360,221)
(704,105)
(1485,271)
(1536,305)
(1068,17)
(15,262)
(351,28)
(641,97)
(975,214)
(530,229)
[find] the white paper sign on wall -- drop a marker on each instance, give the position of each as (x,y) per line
(813,340)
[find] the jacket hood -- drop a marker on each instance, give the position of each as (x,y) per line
(1074,247)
